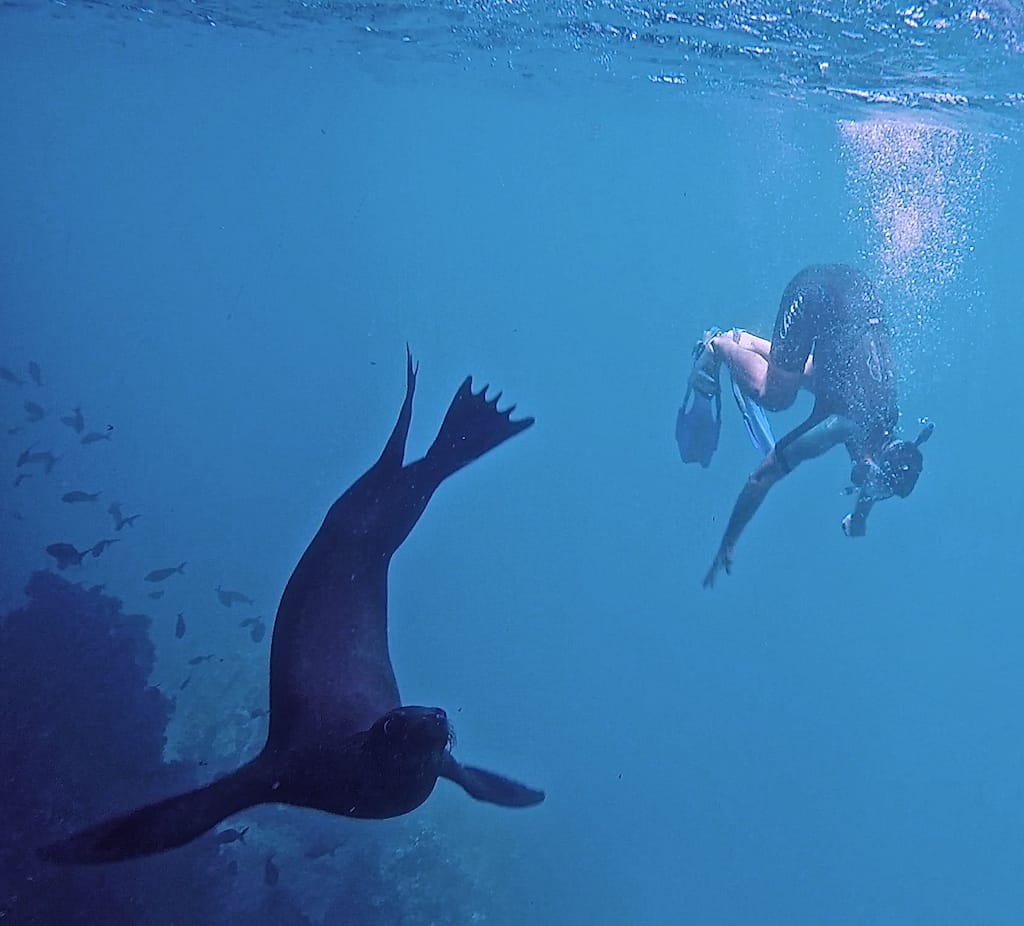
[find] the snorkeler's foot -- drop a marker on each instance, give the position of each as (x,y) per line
(706,364)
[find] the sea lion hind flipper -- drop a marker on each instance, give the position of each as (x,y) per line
(394,450)
(164,825)
(489,786)
(472,426)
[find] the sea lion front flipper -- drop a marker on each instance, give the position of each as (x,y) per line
(488,786)
(472,426)
(166,824)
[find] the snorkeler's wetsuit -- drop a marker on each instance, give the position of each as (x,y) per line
(833,311)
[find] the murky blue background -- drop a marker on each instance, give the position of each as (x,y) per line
(219,241)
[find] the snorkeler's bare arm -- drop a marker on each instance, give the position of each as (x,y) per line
(813,442)
(760,481)
(855,524)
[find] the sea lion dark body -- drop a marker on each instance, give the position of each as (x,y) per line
(339,741)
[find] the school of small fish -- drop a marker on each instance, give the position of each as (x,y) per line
(35,462)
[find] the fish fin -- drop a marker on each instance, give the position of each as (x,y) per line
(489,786)
(166,824)
(472,426)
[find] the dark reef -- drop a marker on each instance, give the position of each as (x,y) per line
(82,736)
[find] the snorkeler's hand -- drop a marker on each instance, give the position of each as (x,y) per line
(854,527)
(723,560)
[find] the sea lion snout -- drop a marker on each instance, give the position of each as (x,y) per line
(422,728)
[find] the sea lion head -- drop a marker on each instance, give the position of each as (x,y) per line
(397,764)
(411,732)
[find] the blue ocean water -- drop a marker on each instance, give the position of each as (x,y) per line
(221,226)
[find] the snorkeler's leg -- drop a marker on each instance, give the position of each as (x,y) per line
(748,358)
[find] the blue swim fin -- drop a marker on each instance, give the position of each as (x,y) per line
(697,427)
(758,428)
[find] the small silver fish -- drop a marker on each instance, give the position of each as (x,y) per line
(196,660)
(156,594)
(10,377)
(179,628)
(184,684)
(224,837)
(94,436)
(270,872)
(20,478)
(228,598)
(76,496)
(119,518)
(26,455)
(97,548)
(321,849)
(158,575)
(35,411)
(76,421)
(258,632)
(35,372)
(65,554)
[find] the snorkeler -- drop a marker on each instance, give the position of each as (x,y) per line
(831,338)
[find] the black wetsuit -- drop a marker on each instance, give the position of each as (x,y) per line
(833,311)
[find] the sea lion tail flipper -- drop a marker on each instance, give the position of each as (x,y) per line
(394,450)
(164,825)
(472,426)
(489,786)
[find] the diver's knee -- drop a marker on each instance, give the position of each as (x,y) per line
(781,388)
(775,400)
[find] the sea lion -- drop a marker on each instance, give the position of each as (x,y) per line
(339,739)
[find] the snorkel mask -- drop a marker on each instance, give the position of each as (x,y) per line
(896,471)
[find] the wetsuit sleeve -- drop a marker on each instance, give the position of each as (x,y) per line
(809,440)
(813,438)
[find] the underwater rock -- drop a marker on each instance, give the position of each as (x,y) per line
(83,735)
